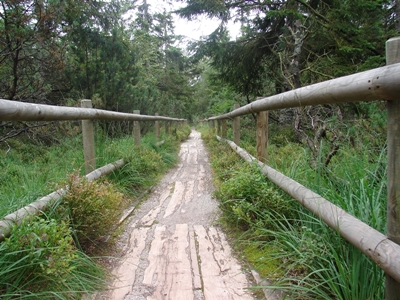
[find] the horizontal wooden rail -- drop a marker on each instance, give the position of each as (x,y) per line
(377,246)
(376,84)
(41,204)
(22,111)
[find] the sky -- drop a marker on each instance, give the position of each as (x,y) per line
(192,30)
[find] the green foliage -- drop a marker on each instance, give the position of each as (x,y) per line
(306,258)
(248,199)
(94,208)
(39,260)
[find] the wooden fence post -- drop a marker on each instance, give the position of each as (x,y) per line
(88,140)
(167,125)
(393,164)
(157,127)
(262,136)
(136,129)
(236,126)
(223,128)
(219,127)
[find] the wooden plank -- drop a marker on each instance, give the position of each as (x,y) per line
(189,191)
(125,273)
(195,262)
(221,273)
(169,270)
(150,217)
(192,157)
(176,199)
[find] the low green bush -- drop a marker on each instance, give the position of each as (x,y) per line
(39,260)
(94,208)
(248,199)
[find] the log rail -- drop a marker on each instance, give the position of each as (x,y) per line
(376,84)
(22,111)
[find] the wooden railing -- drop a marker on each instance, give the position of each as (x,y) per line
(377,84)
(21,111)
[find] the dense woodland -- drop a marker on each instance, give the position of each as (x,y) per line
(124,57)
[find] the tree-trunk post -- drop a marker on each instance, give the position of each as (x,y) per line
(157,127)
(262,136)
(236,126)
(211,124)
(88,140)
(167,125)
(136,129)
(223,128)
(393,163)
(219,127)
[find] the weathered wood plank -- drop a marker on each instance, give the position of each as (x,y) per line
(221,273)
(169,270)
(195,263)
(150,217)
(176,199)
(125,273)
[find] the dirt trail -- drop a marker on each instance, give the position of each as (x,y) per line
(171,249)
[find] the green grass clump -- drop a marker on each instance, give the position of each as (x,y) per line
(313,261)
(39,260)
(44,258)
(94,209)
(248,199)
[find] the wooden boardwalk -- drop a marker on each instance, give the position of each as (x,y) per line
(171,249)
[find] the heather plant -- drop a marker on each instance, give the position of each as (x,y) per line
(94,208)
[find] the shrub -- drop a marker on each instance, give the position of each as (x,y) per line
(38,256)
(94,208)
(249,199)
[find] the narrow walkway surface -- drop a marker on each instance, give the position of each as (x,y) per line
(171,249)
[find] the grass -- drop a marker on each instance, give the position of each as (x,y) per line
(311,260)
(44,258)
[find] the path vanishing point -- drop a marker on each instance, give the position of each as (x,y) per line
(171,248)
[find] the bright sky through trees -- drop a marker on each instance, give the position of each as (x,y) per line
(192,30)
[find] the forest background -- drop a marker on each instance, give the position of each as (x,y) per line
(124,56)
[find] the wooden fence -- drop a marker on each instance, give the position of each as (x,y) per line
(21,111)
(377,84)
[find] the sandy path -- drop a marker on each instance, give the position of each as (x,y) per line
(171,250)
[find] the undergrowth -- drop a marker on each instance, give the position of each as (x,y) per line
(46,257)
(281,239)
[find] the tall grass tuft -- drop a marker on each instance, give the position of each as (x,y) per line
(43,257)
(315,261)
